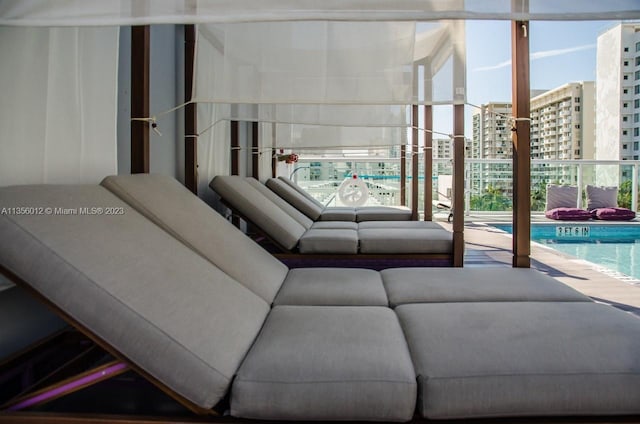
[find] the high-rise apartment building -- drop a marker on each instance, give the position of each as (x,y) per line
(563,122)
(562,125)
(618,93)
(491,137)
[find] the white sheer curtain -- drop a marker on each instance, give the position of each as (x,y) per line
(58,104)
(214,145)
(348,63)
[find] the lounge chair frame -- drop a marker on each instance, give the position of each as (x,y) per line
(361,260)
(107,347)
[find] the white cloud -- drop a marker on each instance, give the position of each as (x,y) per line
(539,55)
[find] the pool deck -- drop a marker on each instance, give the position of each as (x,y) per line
(487,246)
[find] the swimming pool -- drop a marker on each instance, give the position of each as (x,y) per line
(614,246)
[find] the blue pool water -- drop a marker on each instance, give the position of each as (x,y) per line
(613,246)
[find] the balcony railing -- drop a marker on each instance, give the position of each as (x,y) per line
(488,182)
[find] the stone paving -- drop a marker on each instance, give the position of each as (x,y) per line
(487,246)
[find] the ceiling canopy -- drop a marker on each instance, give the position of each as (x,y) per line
(141,12)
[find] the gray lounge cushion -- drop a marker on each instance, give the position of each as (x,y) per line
(332,287)
(327,363)
(559,196)
(601,197)
(401,241)
(338,213)
(300,190)
(335,225)
(278,225)
(176,210)
(304,220)
(523,359)
(329,241)
(153,299)
(400,224)
(297,200)
(423,285)
(383,213)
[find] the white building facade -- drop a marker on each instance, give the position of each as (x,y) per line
(618,93)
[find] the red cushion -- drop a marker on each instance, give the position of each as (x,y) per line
(568,214)
(613,214)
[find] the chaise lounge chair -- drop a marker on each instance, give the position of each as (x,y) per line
(160,291)
(312,208)
(562,202)
(300,240)
(602,203)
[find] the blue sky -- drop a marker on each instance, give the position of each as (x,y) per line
(561,52)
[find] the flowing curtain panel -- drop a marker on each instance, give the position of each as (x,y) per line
(58,104)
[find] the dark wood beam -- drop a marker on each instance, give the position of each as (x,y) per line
(235,149)
(190,113)
(458,185)
(140,43)
(428,162)
(274,160)
(521,144)
(415,158)
(403,174)
(255,150)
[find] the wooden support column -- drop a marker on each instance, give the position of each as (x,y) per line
(521,144)
(274,160)
(415,158)
(235,149)
(403,174)
(190,113)
(140,43)
(255,153)
(458,185)
(428,162)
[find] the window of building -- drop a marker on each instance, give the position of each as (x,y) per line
(625,119)
(624,147)
(577,126)
(635,157)
(636,89)
(636,103)
(625,77)
(577,99)
(625,91)
(625,63)
(638,61)
(637,75)
(638,46)
(636,132)
(625,132)
(577,108)
(625,104)
(626,49)
(636,117)
(636,145)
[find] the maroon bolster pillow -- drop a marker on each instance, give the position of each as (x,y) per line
(568,214)
(613,214)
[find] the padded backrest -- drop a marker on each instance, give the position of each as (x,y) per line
(275,222)
(297,200)
(561,197)
(150,297)
(300,190)
(175,209)
(294,213)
